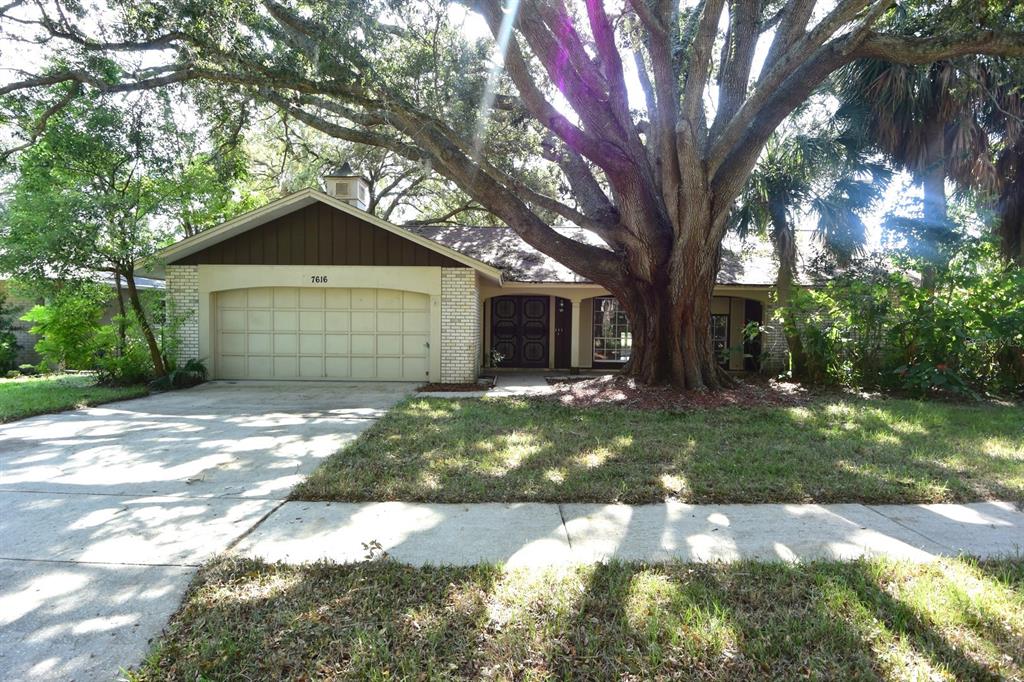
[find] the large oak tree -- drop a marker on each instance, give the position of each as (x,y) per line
(655,180)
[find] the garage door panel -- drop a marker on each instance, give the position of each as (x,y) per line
(322,333)
(286,297)
(389,300)
(259,298)
(232,320)
(286,321)
(311,298)
(233,344)
(260,343)
(338,298)
(258,320)
(389,368)
(389,344)
(364,368)
(285,344)
(337,368)
(411,301)
(364,322)
(311,368)
(364,299)
(415,345)
(389,322)
(260,367)
(311,344)
(232,366)
(310,321)
(415,322)
(233,299)
(336,344)
(337,321)
(362,344)
(414,367)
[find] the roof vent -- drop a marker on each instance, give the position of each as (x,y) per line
(345,184)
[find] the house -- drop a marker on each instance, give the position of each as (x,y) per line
(313,287)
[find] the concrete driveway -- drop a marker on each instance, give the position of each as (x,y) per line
(106,512)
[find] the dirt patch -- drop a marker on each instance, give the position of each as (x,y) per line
(625,392)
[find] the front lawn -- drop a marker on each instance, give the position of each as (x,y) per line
(835,450)
(949,620)
(27,396)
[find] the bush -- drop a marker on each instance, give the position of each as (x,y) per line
(12,374)
(8,341)
(878,327)
(69,327)
(28,370)
(192,373)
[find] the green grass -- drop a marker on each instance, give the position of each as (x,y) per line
(27,396)
(833,450)
(246,620)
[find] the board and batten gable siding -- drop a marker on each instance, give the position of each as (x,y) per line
(317,235)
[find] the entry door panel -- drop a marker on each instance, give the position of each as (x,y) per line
(313,333)
(519,330)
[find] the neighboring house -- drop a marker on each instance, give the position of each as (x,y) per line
(27,342)
(313,287)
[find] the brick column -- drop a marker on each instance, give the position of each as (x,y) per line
(183,307)
(460,326)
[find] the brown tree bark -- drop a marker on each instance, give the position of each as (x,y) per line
(147,329)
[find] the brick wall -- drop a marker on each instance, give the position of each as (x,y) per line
(183,305)
(460,325)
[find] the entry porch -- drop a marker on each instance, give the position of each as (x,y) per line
(582,326)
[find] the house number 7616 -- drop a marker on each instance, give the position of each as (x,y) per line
(318,279)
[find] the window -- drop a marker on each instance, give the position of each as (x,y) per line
(720,338)
(613,339)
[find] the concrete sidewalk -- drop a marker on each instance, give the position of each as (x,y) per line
(531,534)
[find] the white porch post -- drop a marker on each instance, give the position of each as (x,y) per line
(574,335)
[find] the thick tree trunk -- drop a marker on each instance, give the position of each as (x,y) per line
(147,330)
(672,333)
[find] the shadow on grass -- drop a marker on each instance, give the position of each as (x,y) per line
(510,450)
(247,620)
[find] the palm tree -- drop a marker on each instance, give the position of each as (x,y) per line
(826,175)
(956,119)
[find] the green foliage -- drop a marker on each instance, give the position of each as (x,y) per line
(8,342)
(877,327)
(192,373)
(69,327)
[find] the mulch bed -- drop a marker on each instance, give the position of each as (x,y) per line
(625,392)
(435,388)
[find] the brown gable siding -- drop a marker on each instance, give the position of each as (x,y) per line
(317,235)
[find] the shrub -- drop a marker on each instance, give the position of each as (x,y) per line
(192,373)
(28,370)
(12,374)
(69,326)
(878,327)
(8,341)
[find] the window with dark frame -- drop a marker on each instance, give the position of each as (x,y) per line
(720,338)
(613,339)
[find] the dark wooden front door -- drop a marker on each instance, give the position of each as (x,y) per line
(519,330)
(563,333)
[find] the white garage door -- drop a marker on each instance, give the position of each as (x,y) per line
(306,333)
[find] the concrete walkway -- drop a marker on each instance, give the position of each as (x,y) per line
(554,534)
